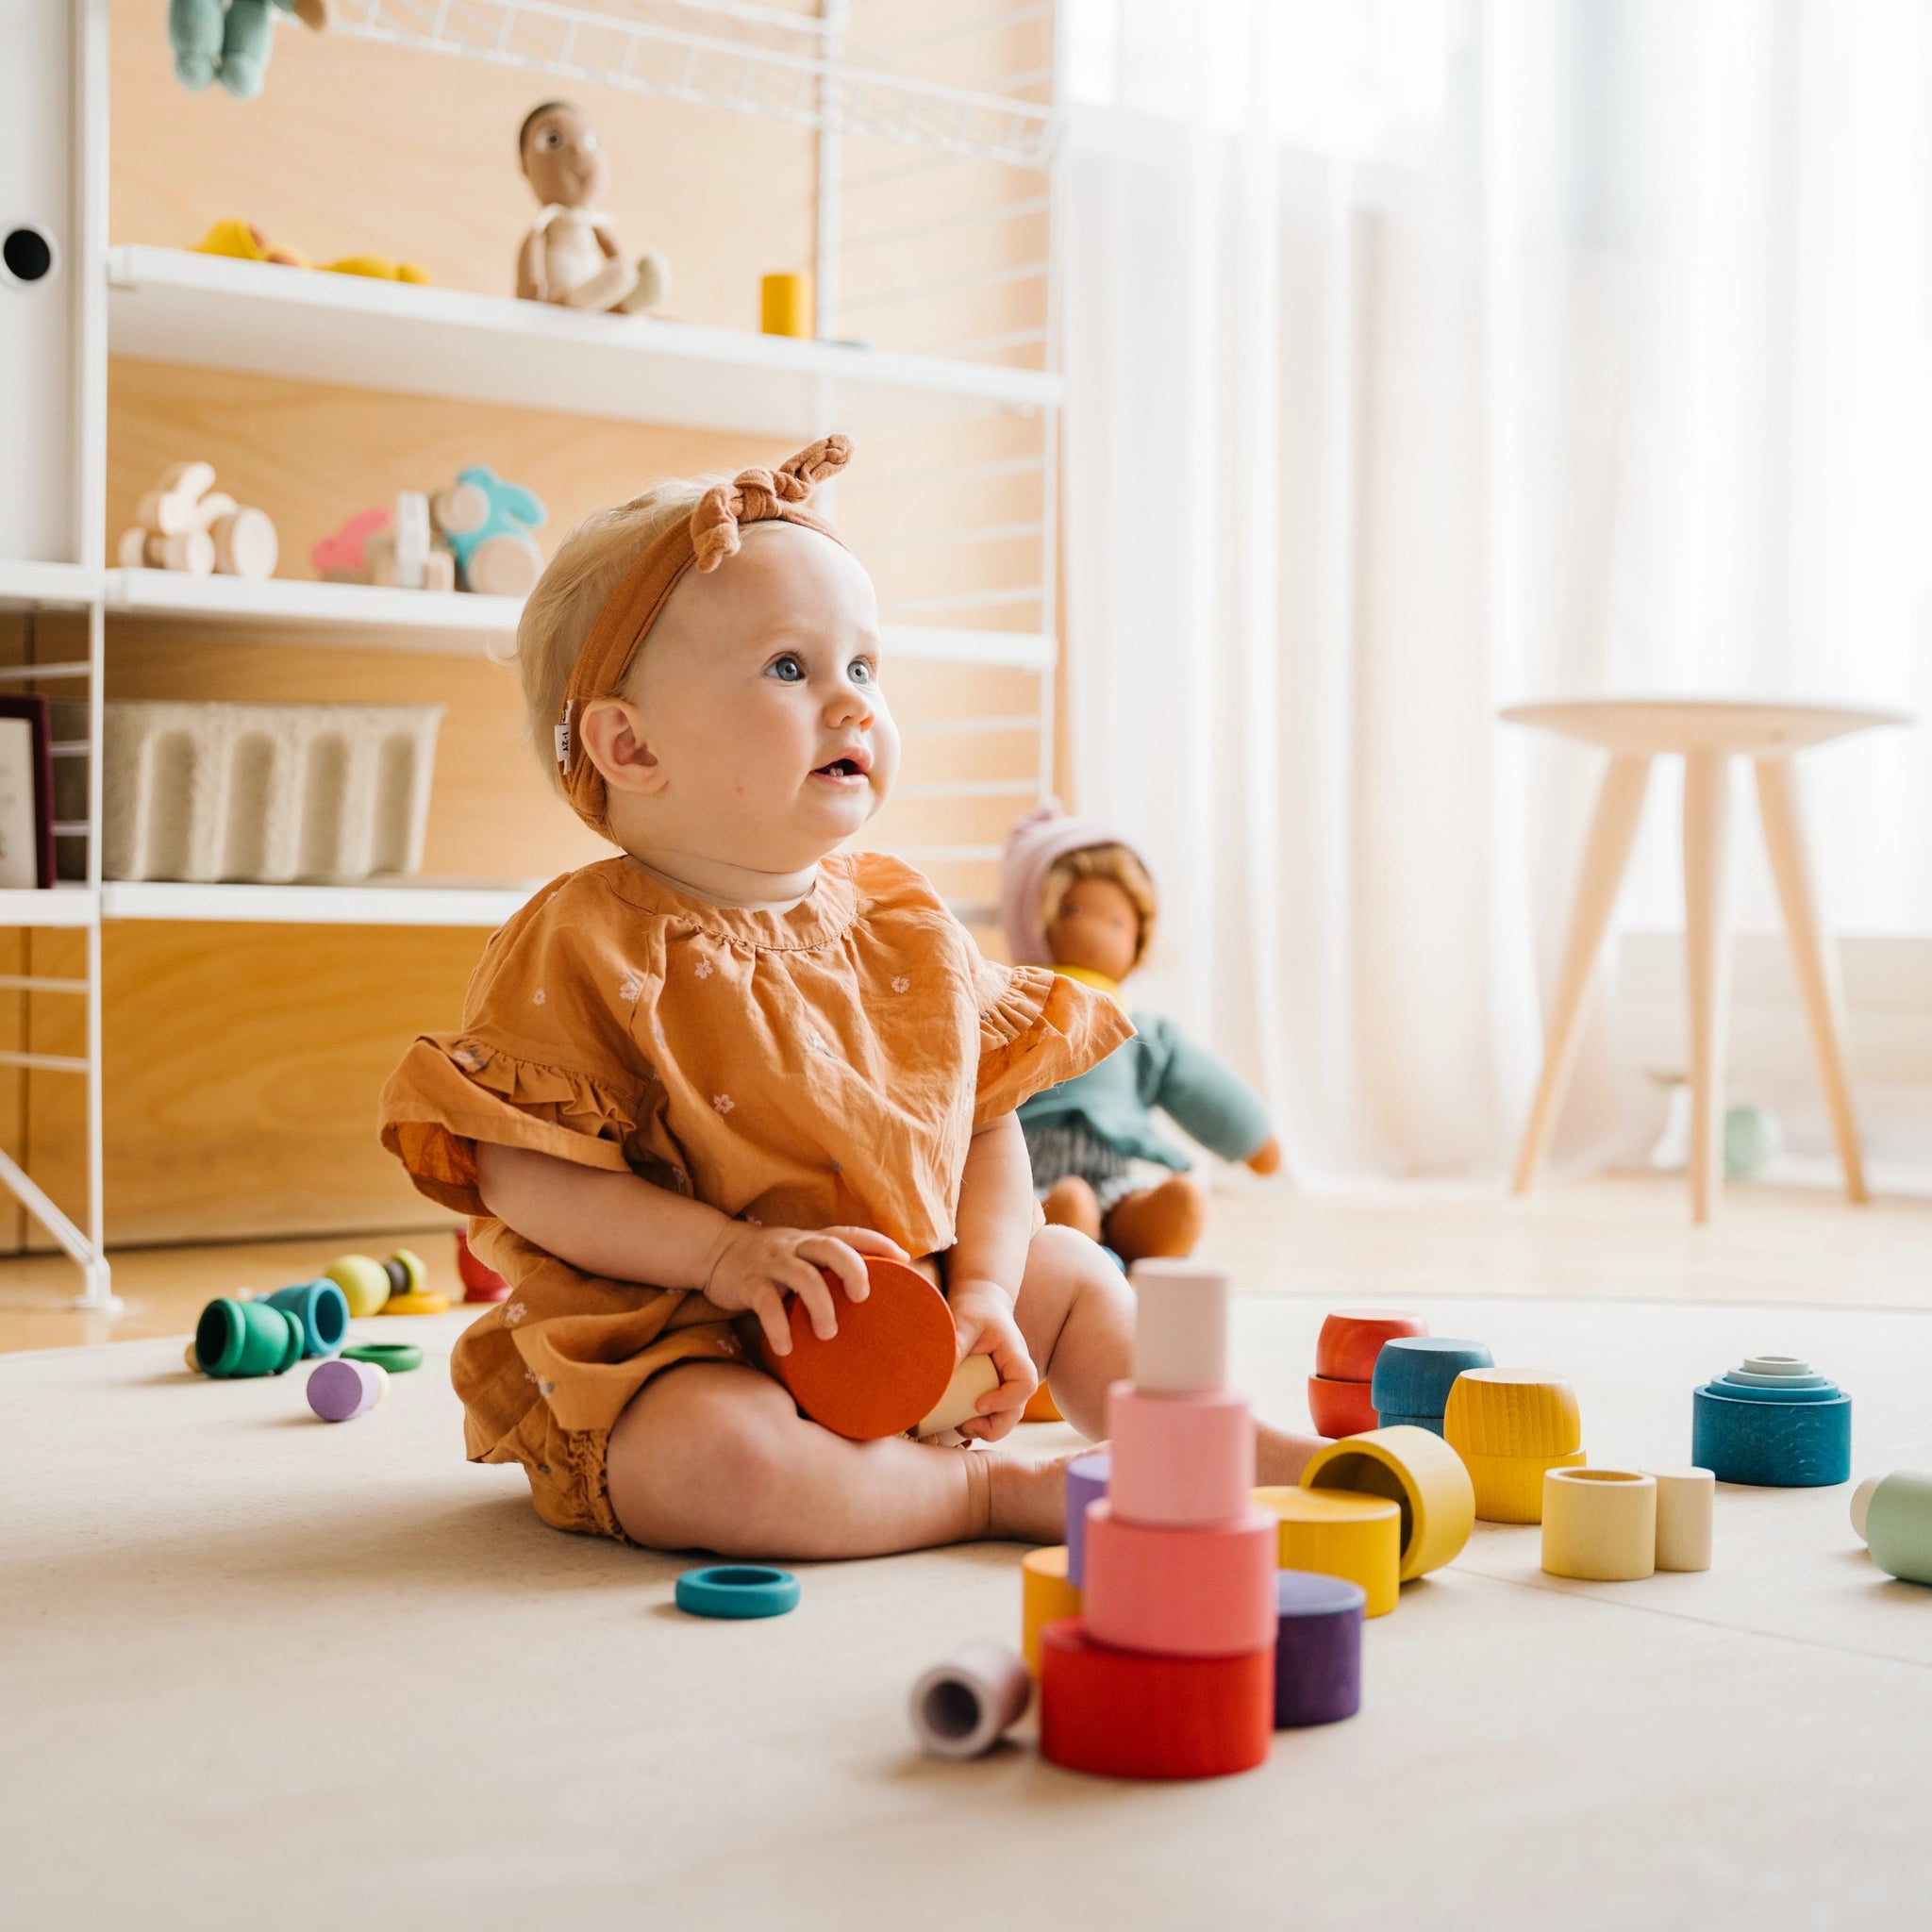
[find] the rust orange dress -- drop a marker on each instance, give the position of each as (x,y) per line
(821,1066)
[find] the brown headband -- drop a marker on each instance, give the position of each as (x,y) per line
(705,539)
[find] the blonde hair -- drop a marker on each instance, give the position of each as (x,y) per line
(589,565)
(1114,863)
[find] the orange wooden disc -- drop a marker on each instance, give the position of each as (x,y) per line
(887,1365)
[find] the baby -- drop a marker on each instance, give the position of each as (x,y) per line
(692,1077)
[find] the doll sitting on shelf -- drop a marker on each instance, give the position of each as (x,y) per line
(1075,898)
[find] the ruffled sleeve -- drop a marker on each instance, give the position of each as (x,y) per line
(1037,1028)
(558,994)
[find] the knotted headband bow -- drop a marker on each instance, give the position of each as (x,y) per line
(704,540)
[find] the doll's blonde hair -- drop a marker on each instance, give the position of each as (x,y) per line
(561,609)
(1115,862)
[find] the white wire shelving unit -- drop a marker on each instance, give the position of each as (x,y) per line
(934,220)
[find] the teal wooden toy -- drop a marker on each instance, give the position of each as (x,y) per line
(1414,1374)
(323,1310)
(237,1339)
(737,1589)
(1431,1422)
(1774,1423)
(486,523)
(1893,1514)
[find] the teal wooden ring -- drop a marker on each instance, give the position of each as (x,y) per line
(1431,1422)
(1414,1373)
(398,1358)
(1778,1389)
(737,1589)
(1746,1378)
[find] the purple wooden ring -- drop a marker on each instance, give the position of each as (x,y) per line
(339,1391)
(1318,1648)
(1087,1479)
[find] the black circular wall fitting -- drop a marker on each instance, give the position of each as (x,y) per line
(28,254)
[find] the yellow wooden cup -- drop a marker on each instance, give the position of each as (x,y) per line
(1600,1524)
(784,306)
(1416,1471)
(1045,1597)
(1510,1489)
(1511,1412)
(1359,1538)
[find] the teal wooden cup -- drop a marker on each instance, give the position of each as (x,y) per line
(236,1338)
(323,1310)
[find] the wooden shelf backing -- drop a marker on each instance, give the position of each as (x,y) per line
(408,902)
(168,304)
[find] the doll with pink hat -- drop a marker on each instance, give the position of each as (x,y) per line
(1077,897)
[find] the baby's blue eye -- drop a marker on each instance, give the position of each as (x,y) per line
(861,670)
(787,670)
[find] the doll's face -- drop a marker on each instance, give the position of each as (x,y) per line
(564,159)
(1097,928)
(759,738)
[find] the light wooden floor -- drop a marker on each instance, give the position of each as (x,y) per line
(1621,1238)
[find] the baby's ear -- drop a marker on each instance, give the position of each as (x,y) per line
(614,739)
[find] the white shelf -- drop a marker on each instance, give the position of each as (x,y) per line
(67,584)
(415,620)
(168,304)
(410,903)
(63,905)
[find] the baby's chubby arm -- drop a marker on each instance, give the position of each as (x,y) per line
(622,1227)
(988,1261)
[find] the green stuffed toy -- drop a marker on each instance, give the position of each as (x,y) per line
(229,41)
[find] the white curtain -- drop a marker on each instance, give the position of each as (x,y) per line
(1425,356)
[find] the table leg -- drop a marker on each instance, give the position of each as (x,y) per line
(1606,853)
(1706,964)
(1813,955)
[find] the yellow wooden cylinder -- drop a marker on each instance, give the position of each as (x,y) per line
(1045,1595)
(1359,1538)
(1040,1406)
(784,306)
(1685,1498)
(1600,1525)
(1510,1489)
(1416,1471)
(1511,1412)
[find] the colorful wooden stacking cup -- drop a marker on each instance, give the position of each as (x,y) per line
(1352,1340)
(1356,1537)
(1087,1482)
(1046,1596)
(1897,1526)
(363,1281)
(339,1391)
(1318,1649)
(1511,1412)
(1599,1525)
(1414,1374)
(323,1310)
(964,1705)
(1205,1590)
(1684,1509)
(976,1376)
(481,1282)
(1180,1327)
(1510,1489)
(1179,1459)
(1773,1424)
(233,1340)
(1339,1409)
(1123,1713)
(888,1364)
(1420,1473)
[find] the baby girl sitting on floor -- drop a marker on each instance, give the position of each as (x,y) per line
(691,1075)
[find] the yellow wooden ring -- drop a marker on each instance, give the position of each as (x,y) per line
(1045,1597)
(1510,1489)
(1511,1412)
(1600,1525)
(415,1305)
(1358,1538)
(1420,1473)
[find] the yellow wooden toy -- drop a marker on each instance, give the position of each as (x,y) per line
(1357,1538)
(1511,1412)
(1510,1489)
(1684,1505)
(1416,1471)
(363,1281)
(1045,1597)
(1600,1525)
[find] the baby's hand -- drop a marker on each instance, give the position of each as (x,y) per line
(754,1268)
(983,1316)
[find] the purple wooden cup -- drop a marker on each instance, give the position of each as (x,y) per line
(1087,1479)
(339,1391)
(1318,1648)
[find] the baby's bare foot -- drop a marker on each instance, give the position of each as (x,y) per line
(1028,1499)
(1281,1455)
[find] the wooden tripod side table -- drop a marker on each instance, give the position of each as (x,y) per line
(1706,733)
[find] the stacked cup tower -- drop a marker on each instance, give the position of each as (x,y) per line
(1169,1670)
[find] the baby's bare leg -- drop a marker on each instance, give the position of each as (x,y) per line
(713,1456)
(1077,1312)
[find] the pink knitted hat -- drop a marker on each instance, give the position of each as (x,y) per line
(1036,844)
